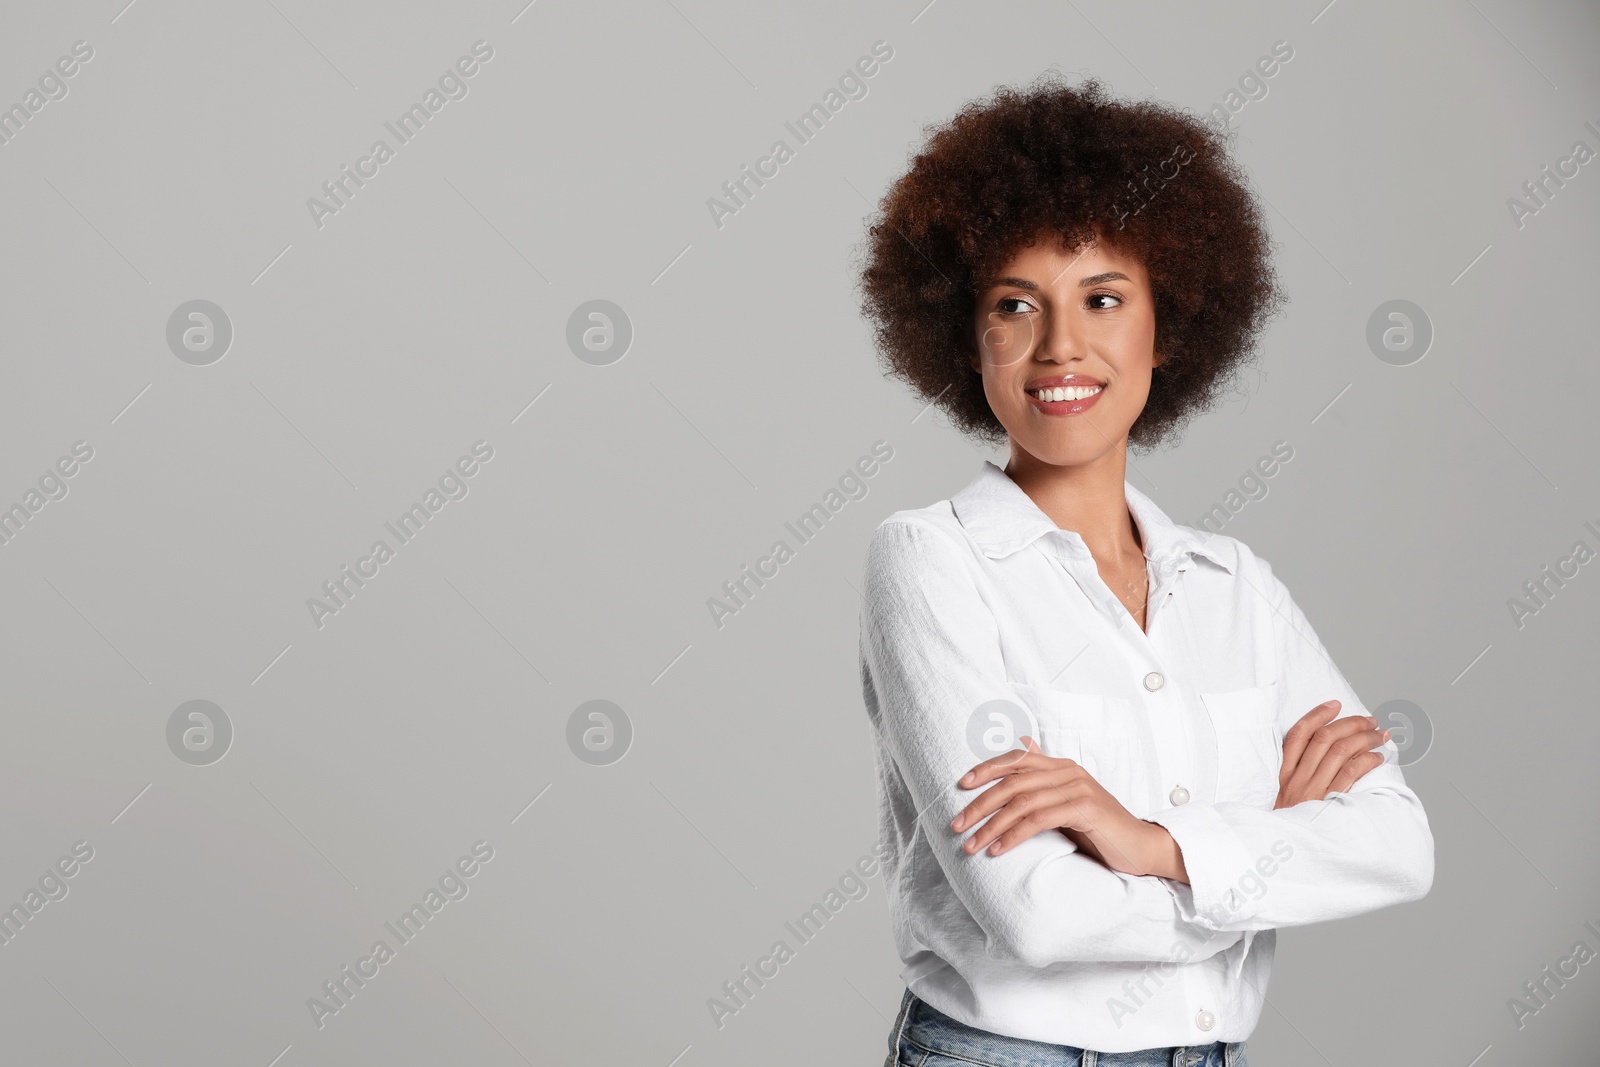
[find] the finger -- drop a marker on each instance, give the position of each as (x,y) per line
(988,802)
(1035,822)
(1354,768)
(1007,816)
(1298,735)
(1036,791)
(1315,772)
(1351,743)
(1310,772)
(993,797)
(1000,766)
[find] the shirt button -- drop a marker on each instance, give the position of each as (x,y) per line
(1179,795)
(1205,1020)
(1154,681)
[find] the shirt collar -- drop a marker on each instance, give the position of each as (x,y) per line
(1001,519)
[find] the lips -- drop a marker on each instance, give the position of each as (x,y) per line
(1064,394)
(1054,380)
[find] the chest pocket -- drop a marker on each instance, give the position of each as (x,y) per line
(1249,750)
(1097,732)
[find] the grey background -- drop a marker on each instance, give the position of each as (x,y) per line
(369,354)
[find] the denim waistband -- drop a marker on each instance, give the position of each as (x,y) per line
(921,1028)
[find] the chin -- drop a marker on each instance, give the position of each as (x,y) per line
(1064,453)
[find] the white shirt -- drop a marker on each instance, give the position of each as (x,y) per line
(981,598)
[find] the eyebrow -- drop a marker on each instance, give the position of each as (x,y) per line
(1093,279)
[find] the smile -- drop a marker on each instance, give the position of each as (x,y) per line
(1071,392)
(1065,399)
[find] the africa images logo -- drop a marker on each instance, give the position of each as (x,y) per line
(342,588)
(452,86)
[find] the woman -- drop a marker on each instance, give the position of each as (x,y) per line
(1112,754)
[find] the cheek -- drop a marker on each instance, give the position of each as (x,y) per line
(1001,348)
(1003,342)
(994,389)
(1007,402)
(1132,393)
(1136,406)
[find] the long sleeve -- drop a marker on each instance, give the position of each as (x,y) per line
(931,651)
(1354,852)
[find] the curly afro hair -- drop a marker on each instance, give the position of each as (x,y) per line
(1051,157)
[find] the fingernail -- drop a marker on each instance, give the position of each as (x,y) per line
(955,823)
(1386,735)
(968,776)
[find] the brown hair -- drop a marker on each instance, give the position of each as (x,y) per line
(1056,158)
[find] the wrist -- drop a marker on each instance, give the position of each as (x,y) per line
(1162,856)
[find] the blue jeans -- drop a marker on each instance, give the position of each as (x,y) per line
(923,1036)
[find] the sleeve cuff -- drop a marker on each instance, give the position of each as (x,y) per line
(1218,863)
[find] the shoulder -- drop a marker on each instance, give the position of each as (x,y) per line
(917,542)
(1244,567)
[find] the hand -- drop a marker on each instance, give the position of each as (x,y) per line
(1034,792)
(1322,756)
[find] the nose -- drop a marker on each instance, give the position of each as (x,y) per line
(1060,340)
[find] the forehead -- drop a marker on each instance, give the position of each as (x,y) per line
(1048,261)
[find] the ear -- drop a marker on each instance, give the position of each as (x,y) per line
(1156,359)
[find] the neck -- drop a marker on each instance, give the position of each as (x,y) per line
(1090,499)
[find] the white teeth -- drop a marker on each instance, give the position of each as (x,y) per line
(1076,392)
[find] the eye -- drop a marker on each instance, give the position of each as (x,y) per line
(1106,296)
(1004,310)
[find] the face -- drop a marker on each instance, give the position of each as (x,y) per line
(1065,346)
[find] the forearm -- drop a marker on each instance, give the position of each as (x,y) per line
(1316,861)
(1164,858)
(1038,906)
(1151,850)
